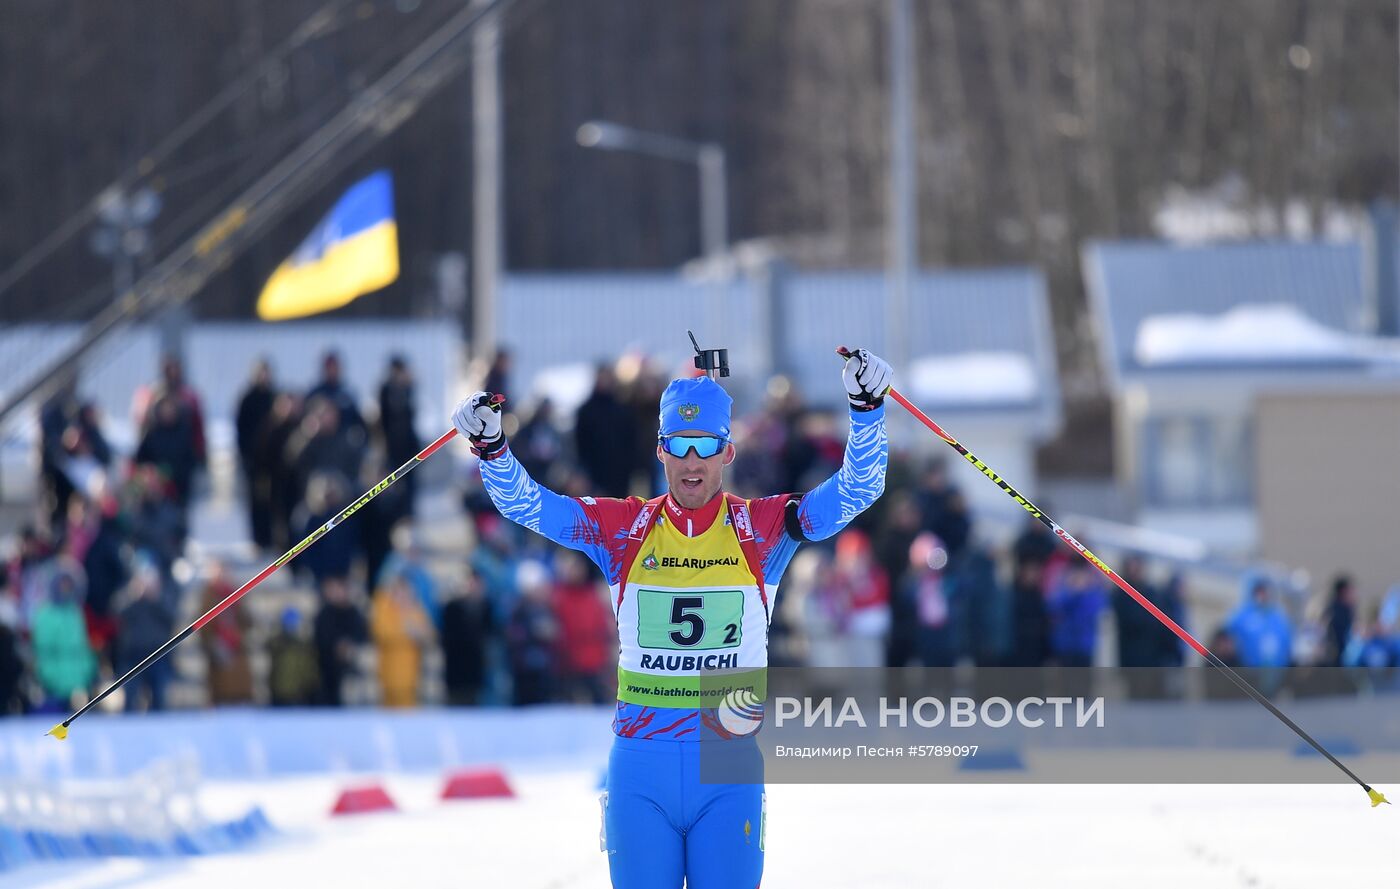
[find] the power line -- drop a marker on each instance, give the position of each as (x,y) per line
(375,112)
(318,24)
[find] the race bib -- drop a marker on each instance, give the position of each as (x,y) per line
(690,621)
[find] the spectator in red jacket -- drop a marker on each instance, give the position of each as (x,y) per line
(859,590)
(587,639)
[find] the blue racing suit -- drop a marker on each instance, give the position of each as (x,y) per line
(692,593)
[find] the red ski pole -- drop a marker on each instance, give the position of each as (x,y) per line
(1375,795)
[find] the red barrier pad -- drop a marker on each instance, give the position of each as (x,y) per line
(372,798)
(477,784)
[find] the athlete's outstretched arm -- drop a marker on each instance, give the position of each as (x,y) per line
(594,527)
(586,525)
(860,481)
(526,502)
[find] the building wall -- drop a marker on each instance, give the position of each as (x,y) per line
(1192,500)
(1188,445)
(1328,483)
(1004,444)
(561,320)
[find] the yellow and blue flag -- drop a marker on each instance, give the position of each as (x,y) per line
(354,250)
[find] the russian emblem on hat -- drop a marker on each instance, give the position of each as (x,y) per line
(688,412)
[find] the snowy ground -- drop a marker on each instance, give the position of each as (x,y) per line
(842,837)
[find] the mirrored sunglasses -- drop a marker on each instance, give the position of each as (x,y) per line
(703,445)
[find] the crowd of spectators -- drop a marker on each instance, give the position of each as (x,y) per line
(90,587)
(101,576)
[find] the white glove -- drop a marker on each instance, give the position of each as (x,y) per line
(867,377)
(479,420)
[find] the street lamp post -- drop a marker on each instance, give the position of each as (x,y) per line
(714,203)
(707,156)
(903,233)
(124,235)
(714,211)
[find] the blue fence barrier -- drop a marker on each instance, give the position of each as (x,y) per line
(237,744)
(19,847)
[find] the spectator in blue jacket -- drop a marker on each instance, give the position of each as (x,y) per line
(1373,651)
(1075,602)
(1263,634)
(1388,619)
(988,605)
(335,553)
(144,621)
(1374,646)
(1262,631)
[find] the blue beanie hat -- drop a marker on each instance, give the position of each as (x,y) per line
(695,404)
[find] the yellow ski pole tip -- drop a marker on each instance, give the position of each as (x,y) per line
(1376,797)
(60,732)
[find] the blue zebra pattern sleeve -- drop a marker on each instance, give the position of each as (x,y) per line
(860,481)
(531,505)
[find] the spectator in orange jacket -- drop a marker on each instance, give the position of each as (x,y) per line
(400,629)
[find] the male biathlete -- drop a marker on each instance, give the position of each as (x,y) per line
(692,577)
